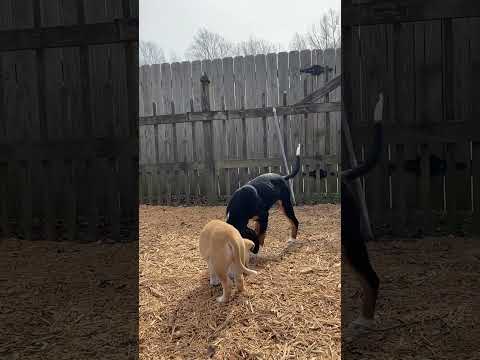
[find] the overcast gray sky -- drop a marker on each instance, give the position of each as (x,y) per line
(172,23)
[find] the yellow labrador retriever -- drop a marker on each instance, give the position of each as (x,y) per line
(225,251)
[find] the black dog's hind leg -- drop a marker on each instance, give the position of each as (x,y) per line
(287,208)
(356,254)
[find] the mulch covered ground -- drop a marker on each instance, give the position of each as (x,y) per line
(291,309)
(429,302)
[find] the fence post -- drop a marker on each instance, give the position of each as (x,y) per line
(208,138)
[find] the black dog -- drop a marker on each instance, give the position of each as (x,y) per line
(353,238)
(254,199)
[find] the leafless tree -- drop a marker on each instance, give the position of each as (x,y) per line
(326,33)
(255,46)
(174,57)
(322,35)
(299,42)
(150,53)
(209,45)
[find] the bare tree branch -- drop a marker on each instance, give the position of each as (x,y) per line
(299,42)
(326,33)
(150,53)
(209,45)
(174,57)
(255,46)
(322,35)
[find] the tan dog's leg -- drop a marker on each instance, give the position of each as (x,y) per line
(214,281)
(222,274)
(240,282)
(226,286)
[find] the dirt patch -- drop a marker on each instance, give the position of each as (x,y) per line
(291,309)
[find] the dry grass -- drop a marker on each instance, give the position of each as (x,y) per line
(291,308)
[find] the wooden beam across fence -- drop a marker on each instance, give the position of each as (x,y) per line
(258,113)
(121,30)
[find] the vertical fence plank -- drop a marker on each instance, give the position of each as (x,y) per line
(4,204)
(329,122)
(71,202)
(157,103)
(251,124)
(398,191)
(231,144)
(197,127)
(273,145)
(283,89)
(261,101)
(451,184)
(307,125)
(240,124)
(425,190)
(295,136)
(476,186)
(217,102)
(165,131)
(187,141)
(177,108)
(318,124)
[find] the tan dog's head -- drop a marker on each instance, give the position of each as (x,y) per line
(249,244)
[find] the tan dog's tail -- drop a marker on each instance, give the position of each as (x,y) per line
(236,257)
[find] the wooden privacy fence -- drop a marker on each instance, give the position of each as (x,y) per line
(429,176)
(67,160)
(195,151)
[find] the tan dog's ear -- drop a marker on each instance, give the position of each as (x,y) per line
(249,244)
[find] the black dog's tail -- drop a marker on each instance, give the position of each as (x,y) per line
(296,168)
(372,160)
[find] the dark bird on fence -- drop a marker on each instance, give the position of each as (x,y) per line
(315,70)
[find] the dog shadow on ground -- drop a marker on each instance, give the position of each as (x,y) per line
(261,260)
(198,318)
